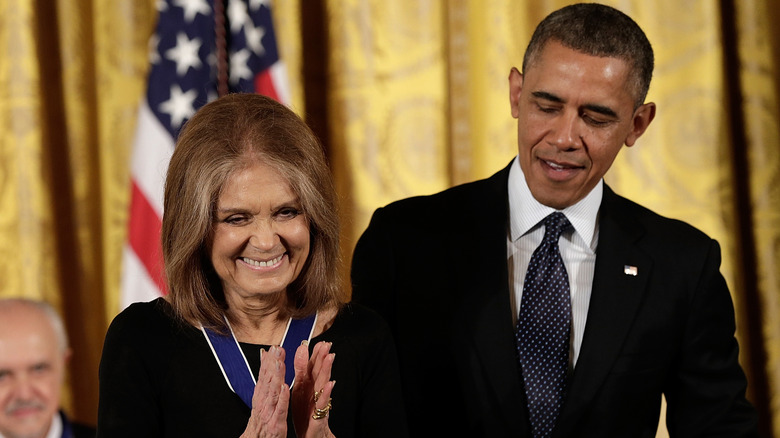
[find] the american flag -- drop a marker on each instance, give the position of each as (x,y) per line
(191,38)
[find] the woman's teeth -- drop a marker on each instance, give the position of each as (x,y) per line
(262,264)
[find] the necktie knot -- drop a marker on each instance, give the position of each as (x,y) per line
(554,225)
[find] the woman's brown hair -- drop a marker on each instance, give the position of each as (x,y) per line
(229,134)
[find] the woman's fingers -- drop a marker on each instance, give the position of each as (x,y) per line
(321,364)
(273,360)
(280,414)
(322,367)
(301,363)
(320,351)
(323,402)
(312,390)
(263,379)
(314,370)
(271,397)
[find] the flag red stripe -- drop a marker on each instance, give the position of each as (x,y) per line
(144,236)
(144,273)
(264,84)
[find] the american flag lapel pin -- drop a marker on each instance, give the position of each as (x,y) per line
(630,270)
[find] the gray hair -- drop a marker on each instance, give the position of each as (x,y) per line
(48,311)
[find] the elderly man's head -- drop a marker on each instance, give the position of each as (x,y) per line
(33,354)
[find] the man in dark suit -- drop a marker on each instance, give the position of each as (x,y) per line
(646,310)
(33,354)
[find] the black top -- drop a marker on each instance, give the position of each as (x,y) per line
(158,378)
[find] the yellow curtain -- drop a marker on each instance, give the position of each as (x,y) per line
(387,104)
(62,160)
(758,66)
(417,101)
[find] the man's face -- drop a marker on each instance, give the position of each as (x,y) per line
(574,112)
(31,372)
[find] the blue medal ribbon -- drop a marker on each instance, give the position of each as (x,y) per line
(234,365)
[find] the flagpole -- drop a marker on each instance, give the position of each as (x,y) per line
(221,44)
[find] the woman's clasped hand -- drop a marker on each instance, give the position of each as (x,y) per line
(310,406)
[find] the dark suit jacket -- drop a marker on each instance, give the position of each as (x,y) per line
(436,268)
(76,430)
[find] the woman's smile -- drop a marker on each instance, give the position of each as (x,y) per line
(262,264)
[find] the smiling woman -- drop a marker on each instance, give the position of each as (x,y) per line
(251,248)
(261,238)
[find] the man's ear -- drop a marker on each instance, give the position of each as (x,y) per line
(642,118)
(515,87)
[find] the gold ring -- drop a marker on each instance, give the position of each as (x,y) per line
(317,395)
(322,413)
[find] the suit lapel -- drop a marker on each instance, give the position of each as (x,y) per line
(614,302)
(495,346)
(486,304)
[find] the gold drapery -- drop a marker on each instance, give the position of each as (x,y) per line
(71,74)
(415,98)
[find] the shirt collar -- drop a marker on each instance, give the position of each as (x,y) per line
(55,429)
(525,211)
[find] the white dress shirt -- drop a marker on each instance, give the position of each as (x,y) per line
(55,430)
(577,247)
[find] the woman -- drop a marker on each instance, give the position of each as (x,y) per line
(251,251)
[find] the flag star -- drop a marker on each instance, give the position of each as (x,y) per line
(238,66)
(161,5)
(180,105)
(237,15)
(185,54)
(254,37)
(211,59)
(255,4)
(193,8)
(154,52)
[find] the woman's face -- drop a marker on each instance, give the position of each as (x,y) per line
(261,235)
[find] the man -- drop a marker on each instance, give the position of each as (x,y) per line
(619,305)
(33,353)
